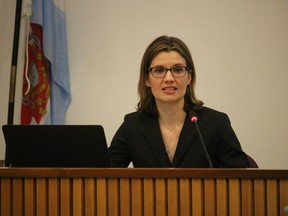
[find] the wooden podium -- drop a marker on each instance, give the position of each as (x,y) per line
(141,192)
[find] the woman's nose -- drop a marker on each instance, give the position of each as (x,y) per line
(169,76)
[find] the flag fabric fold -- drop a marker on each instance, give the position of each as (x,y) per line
(47,79)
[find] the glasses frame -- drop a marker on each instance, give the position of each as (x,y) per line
(169,69)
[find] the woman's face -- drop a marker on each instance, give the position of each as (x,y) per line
(168,89)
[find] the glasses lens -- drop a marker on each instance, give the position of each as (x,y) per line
(178,71)
(158,71)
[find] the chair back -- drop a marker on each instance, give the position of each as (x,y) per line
(252,163)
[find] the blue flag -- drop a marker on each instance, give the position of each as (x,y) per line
(47,38)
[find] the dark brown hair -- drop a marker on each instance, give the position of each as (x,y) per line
(146,99)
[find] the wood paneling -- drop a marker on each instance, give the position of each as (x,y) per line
(142,192)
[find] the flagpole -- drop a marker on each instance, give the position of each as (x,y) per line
(14,62)
(12,88)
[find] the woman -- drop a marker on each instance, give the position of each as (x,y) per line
(160,133)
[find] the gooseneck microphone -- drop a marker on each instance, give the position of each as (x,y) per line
(194,119)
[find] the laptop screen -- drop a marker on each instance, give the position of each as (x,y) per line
(56,146)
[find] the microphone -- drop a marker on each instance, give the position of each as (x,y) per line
(194,119)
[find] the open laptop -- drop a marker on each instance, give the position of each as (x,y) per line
(56,146)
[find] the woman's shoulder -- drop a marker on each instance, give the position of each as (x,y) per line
(132,115)
(135,120)
(209,113)
(138,116)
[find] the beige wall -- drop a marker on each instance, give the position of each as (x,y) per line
(239,48)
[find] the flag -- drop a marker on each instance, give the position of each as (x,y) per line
(46,81)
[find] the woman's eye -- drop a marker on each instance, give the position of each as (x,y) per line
(159,70)
(177,69)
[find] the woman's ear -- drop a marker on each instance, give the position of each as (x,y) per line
(148,83)
(189,79)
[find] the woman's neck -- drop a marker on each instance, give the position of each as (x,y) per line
(171,115)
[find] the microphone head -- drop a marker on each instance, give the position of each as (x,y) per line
(193,116)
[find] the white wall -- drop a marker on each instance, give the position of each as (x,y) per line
(239,48)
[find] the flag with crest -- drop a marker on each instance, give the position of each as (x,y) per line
(46,81)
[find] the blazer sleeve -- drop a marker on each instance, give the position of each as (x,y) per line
(118,150)
(229,151)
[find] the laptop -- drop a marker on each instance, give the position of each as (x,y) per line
(56,146)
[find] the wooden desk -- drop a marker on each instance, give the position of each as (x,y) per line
(130,191)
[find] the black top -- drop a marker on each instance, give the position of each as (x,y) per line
(139,140)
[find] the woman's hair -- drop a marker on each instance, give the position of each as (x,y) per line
(165,44)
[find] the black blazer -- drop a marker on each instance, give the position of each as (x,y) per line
(139,140)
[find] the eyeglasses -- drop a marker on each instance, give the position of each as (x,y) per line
(160,72)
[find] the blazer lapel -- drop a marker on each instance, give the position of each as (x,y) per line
(152,133)
(188,134)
